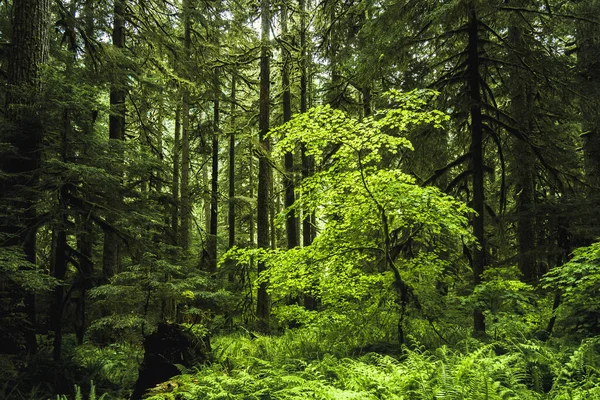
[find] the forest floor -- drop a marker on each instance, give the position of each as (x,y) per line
(301,364)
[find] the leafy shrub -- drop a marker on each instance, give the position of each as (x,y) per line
(578,281)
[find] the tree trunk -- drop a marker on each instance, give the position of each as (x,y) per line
(85,245)
(116,131)
(524,160)
(366,99)
(59,260)
(214,195)
(263,301)
(291,221)
(231,194)
(588,62)
(476,151)
(175,183)
(186,208)
(310,302)
(28,52)
(59,270)
(306,160)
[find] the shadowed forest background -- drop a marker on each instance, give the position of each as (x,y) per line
(334,199)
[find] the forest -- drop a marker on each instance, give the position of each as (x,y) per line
(299,199)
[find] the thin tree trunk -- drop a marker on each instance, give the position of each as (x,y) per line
(185,173)
(366,99)
(175,183)
(588,59)
(212,237)
(263,300)
(59,245)
(85,243)
(524,162)
(476,162)
(251,221)
(291,221)
(310,302)
(231,194)
(116,130)
(306,160)
(85,235)
(186,208)
(59,270)
(274,207)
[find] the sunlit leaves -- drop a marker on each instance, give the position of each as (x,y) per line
(579,284)
(352,193)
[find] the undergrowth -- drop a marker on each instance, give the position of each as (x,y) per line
(297,365)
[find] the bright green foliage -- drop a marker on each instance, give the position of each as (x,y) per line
(272,367)
(115,365)
(79,396)
(376,226)
(579,284)
(26,276)
(509,303)
(580,376)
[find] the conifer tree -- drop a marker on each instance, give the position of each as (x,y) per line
(28,53)
(264,173)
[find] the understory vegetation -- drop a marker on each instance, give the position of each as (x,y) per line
(306,363)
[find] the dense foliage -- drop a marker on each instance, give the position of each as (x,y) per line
(277,200)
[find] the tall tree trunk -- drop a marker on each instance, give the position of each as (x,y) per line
(59,270)
(303,58)
(175,183)
(291,221)
(476,151)
(306,160)
(274,208)
(59,260)
(214,195)
(231,194)
(588,60)
(263,301)
(85,234)
(335,93)
(85,246)
(28,52)
(251,221)
(186,207)
(524,161)
(116,130)
(310,301)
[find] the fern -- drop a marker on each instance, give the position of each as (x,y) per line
(79,396)
(275,368)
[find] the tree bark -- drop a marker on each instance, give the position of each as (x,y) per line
(59,260)
(116,131)
(291,221)
(175,183)
(214,195)
(588,62)
(476,151)
(186,209)
(263,301)
(310,302)
(524,159)
(231,194)
(85,246)
(28,52)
